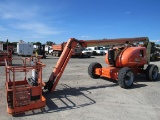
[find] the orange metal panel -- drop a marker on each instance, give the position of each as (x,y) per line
(57,47)
(36,90)
(35,105)
(102,42)
(109,72)
(62,62)
(5,55)
(131,57)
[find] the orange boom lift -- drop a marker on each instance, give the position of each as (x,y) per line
(125,61)
(26,94)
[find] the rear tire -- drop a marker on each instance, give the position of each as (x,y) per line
(125,77)
(91,69)
(152,72)
(59,54)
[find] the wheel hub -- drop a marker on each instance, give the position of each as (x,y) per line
(129,78)
(155,73)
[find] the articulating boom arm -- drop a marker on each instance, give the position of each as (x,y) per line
(72,43)
(121,41)
(62,62)
(118,41)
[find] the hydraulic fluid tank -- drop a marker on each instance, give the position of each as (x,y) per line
(128,57)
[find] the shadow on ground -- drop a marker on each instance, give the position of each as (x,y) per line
(139,79)
(65,98)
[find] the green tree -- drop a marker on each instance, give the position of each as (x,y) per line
(7,42)
(37,43)
(50,43)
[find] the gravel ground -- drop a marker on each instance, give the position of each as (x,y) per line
(79,97)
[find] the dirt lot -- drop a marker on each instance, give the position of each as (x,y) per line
(79,97)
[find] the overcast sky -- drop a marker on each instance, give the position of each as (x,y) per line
(59,20)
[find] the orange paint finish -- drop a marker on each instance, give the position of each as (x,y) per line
(24,94)
(109,72)
(102,42)
(5,55)
(132,56)
(59,47)
(63,61)
(106,58)
(21,82)
(39,104)
(35,91)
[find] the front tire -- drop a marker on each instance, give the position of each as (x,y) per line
(152,72)
(91,69)
(125,77)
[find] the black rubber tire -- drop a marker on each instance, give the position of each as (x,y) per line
(56,54)
(152,58)
(125,79)
(152,72)
(91,69)
(59,54)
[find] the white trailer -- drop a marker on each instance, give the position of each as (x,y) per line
(25,49)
